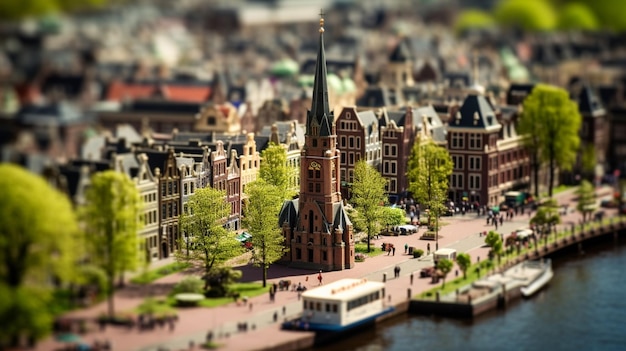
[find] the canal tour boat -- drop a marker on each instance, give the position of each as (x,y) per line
(341,306)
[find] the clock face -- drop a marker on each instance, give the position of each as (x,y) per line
(315,165)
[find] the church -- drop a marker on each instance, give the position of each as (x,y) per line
(316,226)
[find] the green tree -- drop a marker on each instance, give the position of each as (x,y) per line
(368,197)
(530,15)
(112,219)
(261,218)
(274,170)
(39,238)
(546,217)
(19,9)
(551,122)
(577,16)
(586,199)
(473,19)
(445,266)
(430,167)
(588,160)
(210,243)
(393,216)
(494,240)
(464,261)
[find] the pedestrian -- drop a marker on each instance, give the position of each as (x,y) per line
(275,317)
(428,248)
(406,248)
(319,277)
(393,249)
(501,220)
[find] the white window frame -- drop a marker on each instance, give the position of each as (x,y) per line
(475,163)
(476,139)
(474,182)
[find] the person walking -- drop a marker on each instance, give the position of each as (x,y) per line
(428,248)
(393,249)
(406,248)
(319,277)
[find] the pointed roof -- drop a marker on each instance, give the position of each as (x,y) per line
(476,113)
(401,53)
(588,102)
(320,107)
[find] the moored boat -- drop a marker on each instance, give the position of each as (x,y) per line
(541,280)
(341,306)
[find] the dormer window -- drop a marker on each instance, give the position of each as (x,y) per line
(476,118)
(458,117)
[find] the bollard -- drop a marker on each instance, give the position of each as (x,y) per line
(385,277)
(408,293)
(411,278)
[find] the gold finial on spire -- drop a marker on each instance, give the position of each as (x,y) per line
(321,20)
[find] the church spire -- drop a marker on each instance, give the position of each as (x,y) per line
(320,111)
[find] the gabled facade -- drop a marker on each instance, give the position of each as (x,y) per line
(399,130)
(233,192)
(358,139)
(249,163)
(316,226)
(138,170)
(472,143)
(163,165)
(218,118)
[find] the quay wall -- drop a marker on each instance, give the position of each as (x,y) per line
(499,299)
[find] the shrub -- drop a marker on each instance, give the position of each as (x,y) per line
(359,257)
(418,253)
(191,284)
(188,299)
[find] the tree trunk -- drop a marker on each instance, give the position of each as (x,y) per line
(369,236)
(111,304)
(264,275)
(551,181)
(536,175)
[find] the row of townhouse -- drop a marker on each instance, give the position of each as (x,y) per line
(488,156)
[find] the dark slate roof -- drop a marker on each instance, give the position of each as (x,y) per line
(368,119)
(69,85)
(156,158)
(71,175)
(289,213)
(476,113)
(58,113)
(402,52)
(588,102)
(341,220)
(94,165)
(438,130)
(162,106)
(118,146)
(376,96)
(129,164)
(320,115)
(458,79)
(398,117)
(518,92)
(262,142)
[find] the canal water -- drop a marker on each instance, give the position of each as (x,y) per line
(583,308)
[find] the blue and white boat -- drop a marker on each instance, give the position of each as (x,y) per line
(341,306)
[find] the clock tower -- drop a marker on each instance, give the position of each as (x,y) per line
(316,226)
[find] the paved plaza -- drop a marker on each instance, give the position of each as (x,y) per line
(459,232)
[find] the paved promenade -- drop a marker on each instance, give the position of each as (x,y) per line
(459,232)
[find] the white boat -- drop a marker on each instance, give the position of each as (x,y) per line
(541,280)
(341,306)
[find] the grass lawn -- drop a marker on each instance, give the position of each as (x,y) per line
(375,250)
(152,275)
(244,289)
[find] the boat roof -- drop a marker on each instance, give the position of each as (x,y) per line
(344,289)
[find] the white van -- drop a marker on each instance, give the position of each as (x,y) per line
(449,254)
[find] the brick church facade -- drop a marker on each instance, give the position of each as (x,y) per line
(316,226)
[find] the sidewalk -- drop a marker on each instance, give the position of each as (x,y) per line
(461,233)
